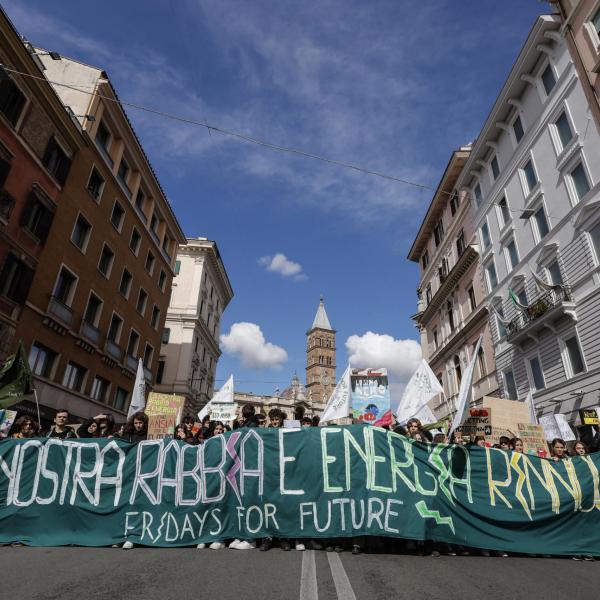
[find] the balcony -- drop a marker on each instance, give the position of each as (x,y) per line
(60,310)
(114,350)
(543,313)
(90,333)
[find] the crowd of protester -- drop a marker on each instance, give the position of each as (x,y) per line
(190,432)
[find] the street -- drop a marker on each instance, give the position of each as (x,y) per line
(65,573)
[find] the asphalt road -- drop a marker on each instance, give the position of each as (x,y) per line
(148,574)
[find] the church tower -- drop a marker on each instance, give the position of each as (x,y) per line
(320,358)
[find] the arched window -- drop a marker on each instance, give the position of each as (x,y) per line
(481,363)
(320,359)
(450,313)
(457,370)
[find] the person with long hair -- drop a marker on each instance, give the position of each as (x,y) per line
(24,428)
(136,429)
(580,449)
(89,429)
(516,445)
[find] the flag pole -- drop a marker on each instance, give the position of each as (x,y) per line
(37,406)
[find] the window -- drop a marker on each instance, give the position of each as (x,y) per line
(41,360)
(93,309)
(536,374)
(155,317)
(65,286)
(117,216)
(12,101)
(121,397)
(123,172)
(162,280)
(531,179)
(518,129)
(548,79)
(504,212)
(438,232)
(150,261)
(450,314)
(443,270)
(167,335)
(141,302)
(106,260)
(435,339)
(595,239)
(428,295)
(481,363)
(148,354)
(511,255)
(460,244)
(563,128)
(153,224)
(485,236)
(74,376)
(522,296)
(81,233)
(478,195)
(132,344)
(492,277)
(134,242)
(581,185)
(499,323)
(114,331)
(510,387)
(177,267)
(495,167)
(454,202)
(103,137)
(56,161)
(541,223)
(457,371)
(37,218)
(95,184)
(472,301)
(573,357)
(425,260)
(160,371)
(554,273)
(139,204)
(125,284)
(100,387)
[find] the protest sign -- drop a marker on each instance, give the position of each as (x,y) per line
(479,422)
(589,416)
(534,441)
(222,411)
(7,418)
(165,404)
(314,482)
(556,426)
(160,426)
(370,396)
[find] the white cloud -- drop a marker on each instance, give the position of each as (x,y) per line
(280,263)
(247,341)
(399,357)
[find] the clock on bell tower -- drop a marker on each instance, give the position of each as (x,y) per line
(320,357)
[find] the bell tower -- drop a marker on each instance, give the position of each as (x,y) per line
(320,357)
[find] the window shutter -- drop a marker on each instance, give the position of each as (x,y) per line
(63,169)
(26,214)
(4,171)
(44,225)
(25,277)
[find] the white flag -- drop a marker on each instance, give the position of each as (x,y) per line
(222,396)
(138,397)
(338,405)
(531,404)
(465,390)
(421,388)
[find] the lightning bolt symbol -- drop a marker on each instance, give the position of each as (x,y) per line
(433,514)
(236,466)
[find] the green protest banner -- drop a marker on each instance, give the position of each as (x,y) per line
(295,483)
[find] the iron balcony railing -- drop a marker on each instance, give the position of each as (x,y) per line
(539,307)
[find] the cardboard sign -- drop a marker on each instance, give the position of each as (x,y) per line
(160,426)
(556,426)
(479,422)
(370,396)
(165,404)
(225,411)
(292,424)
(534,441)
(589,416)
(7,418)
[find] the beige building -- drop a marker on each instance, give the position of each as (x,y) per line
(451,314)
(190,344)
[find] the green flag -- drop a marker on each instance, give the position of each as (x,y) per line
(16,381)
(516,301)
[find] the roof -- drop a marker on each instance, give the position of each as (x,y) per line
(321,320)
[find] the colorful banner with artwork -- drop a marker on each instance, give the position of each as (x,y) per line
(295,483)
(370,396)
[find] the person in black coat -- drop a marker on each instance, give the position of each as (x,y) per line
(136,429)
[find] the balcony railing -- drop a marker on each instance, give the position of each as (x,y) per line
(539,310)
(90,333)
(60,310)
(114,350)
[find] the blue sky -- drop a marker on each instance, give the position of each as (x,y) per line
(393,86)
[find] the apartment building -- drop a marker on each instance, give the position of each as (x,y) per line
(533,176)
(190,344)
(451,314)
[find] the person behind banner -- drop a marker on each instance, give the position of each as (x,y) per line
(479,440)
(558,448)
(89,429)
(580,449)
(516,445)
(60,430)
(440,438)
(136,430)
(414,428)
(106,425)
(24,428)
(276,417)
(216,428)
(504,442)
(306,422)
